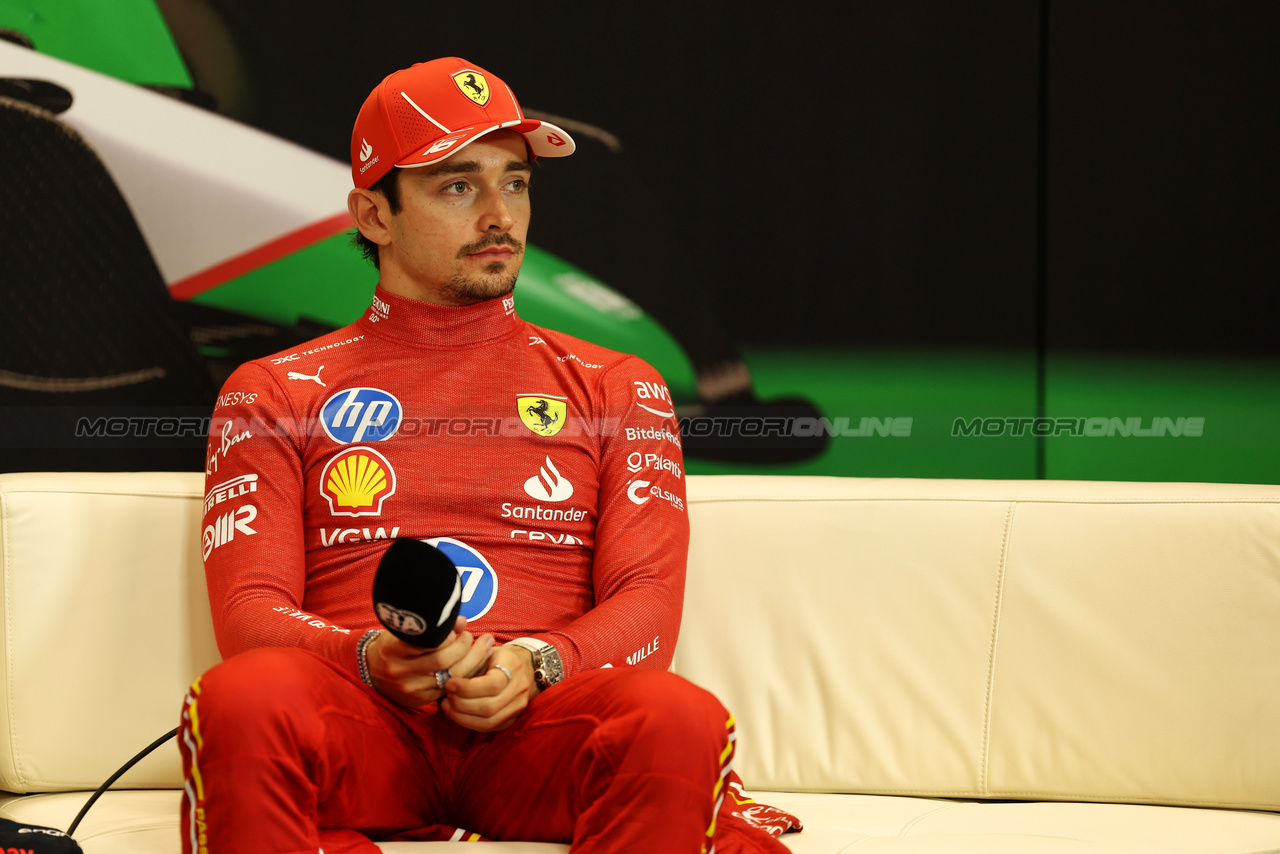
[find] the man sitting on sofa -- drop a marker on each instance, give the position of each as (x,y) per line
(547,468)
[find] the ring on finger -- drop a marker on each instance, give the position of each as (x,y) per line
(442,676)
(504,670)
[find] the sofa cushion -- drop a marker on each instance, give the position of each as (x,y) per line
(901,825)
(146,822)
(1022,639)
(105,624)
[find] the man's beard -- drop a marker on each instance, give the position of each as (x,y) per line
(496,279)
(469,289)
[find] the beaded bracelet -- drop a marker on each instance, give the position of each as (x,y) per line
(362,648)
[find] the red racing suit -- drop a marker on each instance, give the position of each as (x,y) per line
(550,467)
(549,470)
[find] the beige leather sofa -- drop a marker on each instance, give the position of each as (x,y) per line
(915,665)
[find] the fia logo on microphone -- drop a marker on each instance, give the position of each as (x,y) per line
(479,581)
(399,619)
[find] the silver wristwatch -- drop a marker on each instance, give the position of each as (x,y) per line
(548,669)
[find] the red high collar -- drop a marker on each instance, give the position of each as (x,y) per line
(439,327)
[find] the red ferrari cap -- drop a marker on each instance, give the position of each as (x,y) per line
(431,110)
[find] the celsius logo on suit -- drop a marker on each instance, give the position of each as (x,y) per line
(361,415)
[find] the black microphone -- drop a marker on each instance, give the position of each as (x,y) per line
(417,593)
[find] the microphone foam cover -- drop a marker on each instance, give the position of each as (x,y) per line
(417,593)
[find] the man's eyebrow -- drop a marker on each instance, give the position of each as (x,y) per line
(463,167)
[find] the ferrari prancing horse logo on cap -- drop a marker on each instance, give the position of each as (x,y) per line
(473,85)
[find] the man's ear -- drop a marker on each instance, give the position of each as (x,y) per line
(371,214)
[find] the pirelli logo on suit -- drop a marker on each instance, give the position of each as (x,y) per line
(236,487)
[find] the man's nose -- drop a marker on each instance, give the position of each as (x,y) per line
(496,215)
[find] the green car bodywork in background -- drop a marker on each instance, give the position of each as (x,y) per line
(329,281)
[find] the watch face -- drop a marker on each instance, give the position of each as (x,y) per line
(551,667)
(548,669)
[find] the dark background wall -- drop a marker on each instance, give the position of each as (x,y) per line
(867,174)
(1164,124)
